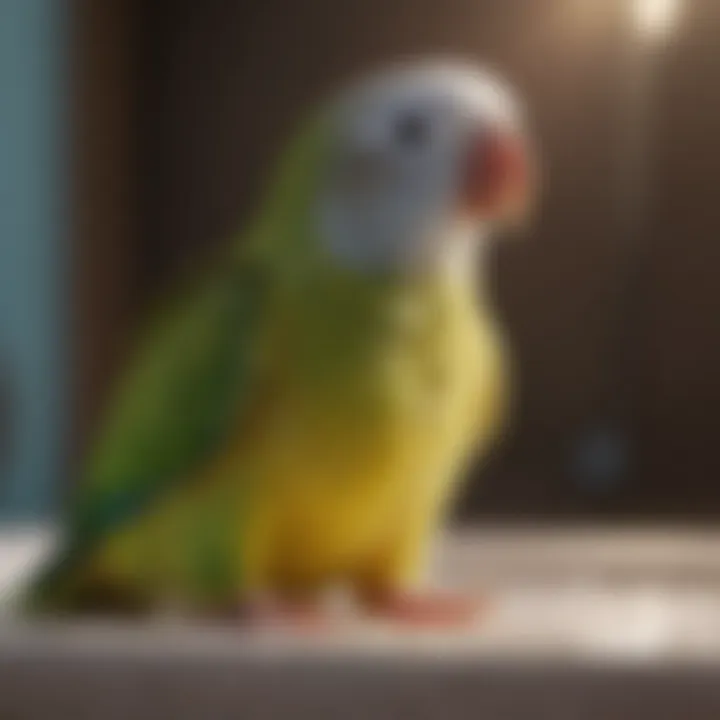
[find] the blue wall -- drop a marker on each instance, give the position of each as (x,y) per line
(32,248)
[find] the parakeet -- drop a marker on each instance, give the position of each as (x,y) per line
(301,415)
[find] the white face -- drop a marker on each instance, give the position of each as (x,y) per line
(395,196)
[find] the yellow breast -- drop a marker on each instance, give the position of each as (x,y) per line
(345,451)
(358,428)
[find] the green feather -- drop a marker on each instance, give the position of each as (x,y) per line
(193,377)
(173,411)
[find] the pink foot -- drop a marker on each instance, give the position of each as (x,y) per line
(428,610)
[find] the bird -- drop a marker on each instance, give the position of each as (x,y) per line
(300,415)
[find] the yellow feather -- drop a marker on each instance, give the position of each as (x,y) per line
(349,466)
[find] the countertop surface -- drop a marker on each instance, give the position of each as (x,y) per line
(626,616)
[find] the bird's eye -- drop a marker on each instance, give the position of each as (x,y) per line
(411,131)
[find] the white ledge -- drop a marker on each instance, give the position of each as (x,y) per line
(597,609)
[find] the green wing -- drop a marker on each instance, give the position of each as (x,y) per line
(195,375)
(189,384)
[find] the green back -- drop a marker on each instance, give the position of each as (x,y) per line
(195,375)
(191,379)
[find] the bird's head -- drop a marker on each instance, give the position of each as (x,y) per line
(422,163)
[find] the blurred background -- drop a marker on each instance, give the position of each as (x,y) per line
(135,135)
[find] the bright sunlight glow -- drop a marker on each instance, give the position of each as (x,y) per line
(656,18)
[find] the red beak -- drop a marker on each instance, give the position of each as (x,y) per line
(496,183)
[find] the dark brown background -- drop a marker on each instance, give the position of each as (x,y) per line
(182,105)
